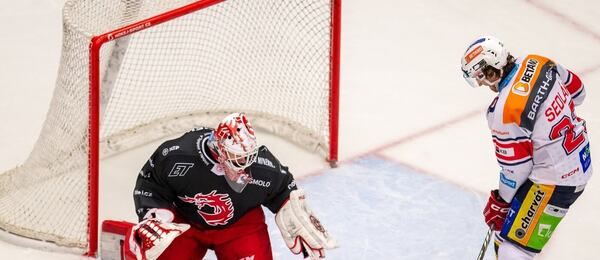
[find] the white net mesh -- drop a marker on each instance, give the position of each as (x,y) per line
(268,58)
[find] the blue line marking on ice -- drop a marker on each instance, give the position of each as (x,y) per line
(377,209)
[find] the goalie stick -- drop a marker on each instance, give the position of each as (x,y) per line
(486,242)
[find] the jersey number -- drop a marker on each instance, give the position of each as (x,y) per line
(570,140)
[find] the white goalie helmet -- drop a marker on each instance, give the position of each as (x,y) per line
(485,51)
(235,144)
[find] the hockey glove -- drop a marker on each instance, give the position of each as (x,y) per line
(301,230)
(495,211)
(151,237)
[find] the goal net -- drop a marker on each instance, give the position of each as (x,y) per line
(134,71)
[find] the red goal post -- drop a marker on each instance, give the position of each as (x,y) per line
(276,60)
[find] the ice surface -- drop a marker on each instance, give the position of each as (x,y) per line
(378,209)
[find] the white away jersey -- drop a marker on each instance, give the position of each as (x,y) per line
(534,127)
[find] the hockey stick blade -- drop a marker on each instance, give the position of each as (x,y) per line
(486,242)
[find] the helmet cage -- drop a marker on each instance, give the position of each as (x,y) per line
(238,162)
(236,143)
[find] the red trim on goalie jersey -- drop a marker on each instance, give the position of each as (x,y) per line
(513,151)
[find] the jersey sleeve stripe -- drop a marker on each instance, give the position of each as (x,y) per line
(573,84)
(569,78)
(508,140)
(574,96)
(513,163)
(513,151)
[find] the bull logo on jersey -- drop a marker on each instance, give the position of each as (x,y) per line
(216,209)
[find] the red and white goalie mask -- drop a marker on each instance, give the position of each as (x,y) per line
(236,147)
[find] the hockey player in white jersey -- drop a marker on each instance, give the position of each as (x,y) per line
(541,144)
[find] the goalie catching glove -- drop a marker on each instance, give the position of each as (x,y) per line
(151,237)
(301,230)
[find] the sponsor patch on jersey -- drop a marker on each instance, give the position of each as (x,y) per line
(508,182)
(535,79)
(505,151)
(499,132)
(540,92)
(513,151)
(180,169)
(142,193)
(570,173)
(265,161)
(585,158)
(260,183)
(170,149)
(555,211)
(522,87)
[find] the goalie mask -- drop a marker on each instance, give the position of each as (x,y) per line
(236,149)
(483,53)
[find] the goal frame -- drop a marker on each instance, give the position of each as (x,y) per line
(94,97)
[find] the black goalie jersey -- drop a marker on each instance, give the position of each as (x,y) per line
(181,176)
